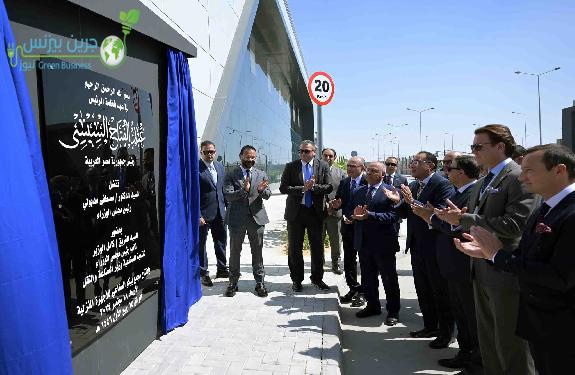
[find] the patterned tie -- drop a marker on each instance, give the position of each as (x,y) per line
(307,196)
(369,196)
(419,189)
(486,181)
(542,212)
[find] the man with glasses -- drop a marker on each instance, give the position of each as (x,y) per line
(306,182)
(212,212)
(447,160)
(395,179)
(332,224)
(430,286)
(343,201)
(499,204)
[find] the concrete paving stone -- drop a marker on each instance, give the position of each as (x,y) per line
(195,370)
(330,370)
(313,367)
(255,372)
(297,369)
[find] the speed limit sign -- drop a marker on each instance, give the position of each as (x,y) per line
(320,87)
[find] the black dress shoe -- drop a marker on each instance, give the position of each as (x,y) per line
(222,274)
(261,290)
(296,287)
(441,342)
(366,312)
(391,321)
(463,359)
(348,297)
(231,290)
(424,333)
(320,285)
(206,281)
(358,300)
(335,269)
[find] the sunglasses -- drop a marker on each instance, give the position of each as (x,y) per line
(479,146)
(391,164)
(449,169)
(305,151)
(209,152)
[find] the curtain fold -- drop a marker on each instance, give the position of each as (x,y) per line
(181,286)
(34,335)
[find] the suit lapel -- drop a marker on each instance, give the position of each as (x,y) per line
(207,172)
(495,183)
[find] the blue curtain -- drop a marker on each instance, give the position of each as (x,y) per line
(33,327)
(181,287)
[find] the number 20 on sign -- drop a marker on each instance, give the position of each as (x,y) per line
(321,88)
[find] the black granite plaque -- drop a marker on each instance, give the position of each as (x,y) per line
(101,155)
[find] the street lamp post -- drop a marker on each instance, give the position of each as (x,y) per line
(539,95)
(524,127)
(420,112)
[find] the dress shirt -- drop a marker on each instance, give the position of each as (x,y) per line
(212,170)
(466,186)
(376,187)
(244,170)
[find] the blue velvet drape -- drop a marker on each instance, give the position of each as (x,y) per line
(181,287)
(33,328)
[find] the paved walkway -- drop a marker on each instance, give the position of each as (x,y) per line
(288,333)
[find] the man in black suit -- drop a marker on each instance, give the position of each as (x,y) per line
(455,267)
(376,239)
(212,211)
(306,182)
(544,262)
(395,179)
(431,287)
(343,200)
(447,160)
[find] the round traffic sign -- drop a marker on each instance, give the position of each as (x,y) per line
(321,88)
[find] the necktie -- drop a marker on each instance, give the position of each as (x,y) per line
(542,212)
(213,173)
(486,181)
(307,195)
(388,179)
(247,174)
(419,189)
(369,195)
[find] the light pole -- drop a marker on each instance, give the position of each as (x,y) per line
(420,112)
(539,95)
(524,143)
(377,138)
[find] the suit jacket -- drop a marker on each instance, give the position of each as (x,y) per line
(420,238)
(292,185)
(211,194)
(453,264)
(377,233)
(398,180)
(545,266)
(242,203)
(336,175)
(502,210)
(344,193)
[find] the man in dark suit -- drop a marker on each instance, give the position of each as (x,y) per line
(499,204)
(376,240)
(306,182)
(245,188)
(431,287)
(454,266)
(332,223)
(212,211)
(544,261)
(343,201)
(394,178)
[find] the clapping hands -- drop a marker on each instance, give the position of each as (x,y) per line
(360,213)
(451,214)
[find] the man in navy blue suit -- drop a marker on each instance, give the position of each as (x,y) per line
(376,240)
(212,211)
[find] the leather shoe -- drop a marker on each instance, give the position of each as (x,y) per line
(358,300)
(296,286)
(335,269)
(206,281)
(424,333)
(231,290)
(366,312)
(261,290)
(441,342)
(320,285)
(222,274)
(348,297)
(391,321)
(463,359)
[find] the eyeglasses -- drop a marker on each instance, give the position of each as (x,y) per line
(305,151)
(479,146)
(447,161)
(353,166)
(209,152)
(449,169)
(417,161)
(391,164)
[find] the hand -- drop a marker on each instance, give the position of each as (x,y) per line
(247,184)
(488,242)
(308,185)
(393,195)
(346,220)
(406,194)
(335,203)
(202,221)
(360,213)
(451,214)
(471,248)
(263,186)
(423,212)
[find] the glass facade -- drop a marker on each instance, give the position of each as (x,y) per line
(263,108)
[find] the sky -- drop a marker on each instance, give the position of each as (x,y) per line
(456,56)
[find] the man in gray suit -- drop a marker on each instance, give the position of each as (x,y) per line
(245,188)
(332,223)
(498,203)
